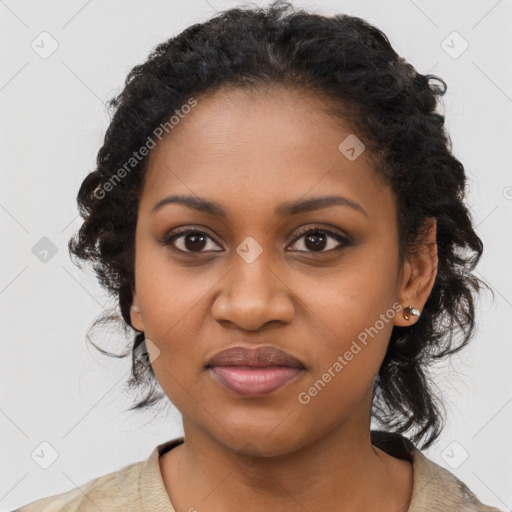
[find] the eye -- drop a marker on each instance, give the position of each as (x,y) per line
(190,240)
(316,239)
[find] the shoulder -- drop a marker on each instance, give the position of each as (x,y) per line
(116,492)
(435,489)
(438,489)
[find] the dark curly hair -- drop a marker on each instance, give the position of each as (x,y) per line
(351,65)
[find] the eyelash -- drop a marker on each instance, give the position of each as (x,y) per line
(343,240)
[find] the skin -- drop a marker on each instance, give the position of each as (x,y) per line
(250,152)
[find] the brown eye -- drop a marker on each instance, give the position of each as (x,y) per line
(320,240)
(189,241)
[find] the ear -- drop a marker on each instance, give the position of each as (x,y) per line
(135,314)
(419,275)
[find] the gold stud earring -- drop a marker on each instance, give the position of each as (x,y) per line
(409,310)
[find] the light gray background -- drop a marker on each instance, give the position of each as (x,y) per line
(57,390)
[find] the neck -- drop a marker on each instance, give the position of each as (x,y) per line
(338,471)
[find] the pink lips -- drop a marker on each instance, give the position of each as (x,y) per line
(254,371)
(254,381)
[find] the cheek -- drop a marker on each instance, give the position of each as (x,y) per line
(172,312)
(346,361)
(353,316)
(352,297)
(174,315)
(351,339)
(168,293)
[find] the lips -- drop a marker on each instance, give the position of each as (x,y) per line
(256,357)
(254,372)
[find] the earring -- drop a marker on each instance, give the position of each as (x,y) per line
(409,310)
(135,308)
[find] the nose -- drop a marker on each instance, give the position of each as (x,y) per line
(253,295)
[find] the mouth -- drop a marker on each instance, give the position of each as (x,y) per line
(254,372)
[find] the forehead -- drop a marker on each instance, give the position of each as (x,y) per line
(256,149)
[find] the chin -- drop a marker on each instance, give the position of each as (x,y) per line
(263,441)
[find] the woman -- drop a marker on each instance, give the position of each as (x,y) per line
(277,210)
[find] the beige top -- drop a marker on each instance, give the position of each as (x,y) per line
(139,487)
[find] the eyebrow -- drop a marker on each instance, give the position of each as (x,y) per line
(285,209)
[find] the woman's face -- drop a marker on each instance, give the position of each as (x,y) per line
(254,279)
